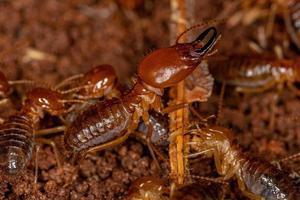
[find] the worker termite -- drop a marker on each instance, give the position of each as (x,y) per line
(17,133)
(255,73)
(100,81)
(250,74)
(257,179)
(110,122)
(148,188)
(97,82)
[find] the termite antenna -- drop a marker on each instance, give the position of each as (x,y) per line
(209,22)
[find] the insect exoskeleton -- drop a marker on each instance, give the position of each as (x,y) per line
(110,122)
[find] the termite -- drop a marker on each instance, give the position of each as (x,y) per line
(110,122)
(257,179)
(97,83)
(17,133)
(94,84)
(257,73)
(148,188)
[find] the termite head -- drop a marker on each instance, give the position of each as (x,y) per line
(148,188)
(166,67)
(100,81)
(212,138)
(4,85)
(39,100)
(12,160)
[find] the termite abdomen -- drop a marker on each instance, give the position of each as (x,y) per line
(264,179)
(160,129)
(16,143)
(102,123)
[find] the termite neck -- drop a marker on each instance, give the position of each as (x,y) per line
(136,95)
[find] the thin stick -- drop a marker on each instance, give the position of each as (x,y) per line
(176,147)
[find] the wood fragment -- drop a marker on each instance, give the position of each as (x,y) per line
(177,149)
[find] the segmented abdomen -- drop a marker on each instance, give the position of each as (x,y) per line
(16,141)
(246,71)
(98,124)
(160,129)
(264,179)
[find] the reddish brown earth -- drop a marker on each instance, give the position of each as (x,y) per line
(75,35)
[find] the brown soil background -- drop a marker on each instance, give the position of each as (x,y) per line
(78,34)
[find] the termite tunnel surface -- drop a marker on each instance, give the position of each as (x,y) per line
(167,66)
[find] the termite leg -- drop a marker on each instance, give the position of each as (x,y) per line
(289,158)
(290,29)
(173,188)
(218,180)
(218,163)
(242,187)
(76,89)
(273,111)
(220,104)
(271,20)
(143,140)
(203,120)
(109,144)
(151,147)
(66,81)
(49,131)
(37,149)
(274,106)
(293,88)
(194,155)
(4,101)
(255,47)
(55,150)
(20,82)
(258,89)
(194,112)
(175,107)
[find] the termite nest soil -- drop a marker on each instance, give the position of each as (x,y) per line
(50,40)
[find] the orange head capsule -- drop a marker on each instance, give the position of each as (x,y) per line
(4,85)
(42,99)
(168,66)
(101,80)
